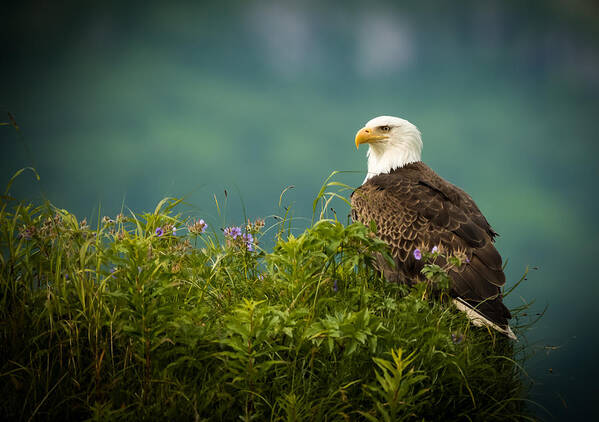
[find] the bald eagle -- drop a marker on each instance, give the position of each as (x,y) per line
(413,208)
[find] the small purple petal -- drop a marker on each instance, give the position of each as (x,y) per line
(159,231)
(233,232)
(417,254)
(335,287)
(435,249)
(249,241)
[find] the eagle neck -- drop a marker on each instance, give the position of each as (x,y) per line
(384,161)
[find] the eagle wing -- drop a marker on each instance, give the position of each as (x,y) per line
(414,208)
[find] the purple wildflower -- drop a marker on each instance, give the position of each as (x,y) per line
(27,232)
(249,241)
(159,231)
(174,231)
(233,232)
(335,286)
(435,249)
(198,227)
(417,254)
(467,260)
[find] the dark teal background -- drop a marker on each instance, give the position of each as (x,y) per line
(125,103)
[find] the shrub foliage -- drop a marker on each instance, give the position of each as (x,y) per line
(144,317)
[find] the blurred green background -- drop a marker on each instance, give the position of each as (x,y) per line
(125,103)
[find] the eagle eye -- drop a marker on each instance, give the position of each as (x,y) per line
(385,128)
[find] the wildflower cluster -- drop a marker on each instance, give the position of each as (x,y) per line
(232,232)
(254,227)
(114,225)
(181,248)
(235,237)
(51,227)
(249,241)
(455,259)
(438,262)
(27,232)
(197,227)
(166,229)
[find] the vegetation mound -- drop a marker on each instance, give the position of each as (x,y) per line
(156,317)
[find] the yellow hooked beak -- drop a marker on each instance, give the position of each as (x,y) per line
(368,136)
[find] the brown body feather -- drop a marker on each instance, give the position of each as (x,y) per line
(413,208)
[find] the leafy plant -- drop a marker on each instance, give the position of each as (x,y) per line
(396,388)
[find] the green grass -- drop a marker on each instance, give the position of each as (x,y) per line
(118,322)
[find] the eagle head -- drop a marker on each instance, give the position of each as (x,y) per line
(393,143)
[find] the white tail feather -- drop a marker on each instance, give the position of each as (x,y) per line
(479,320)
